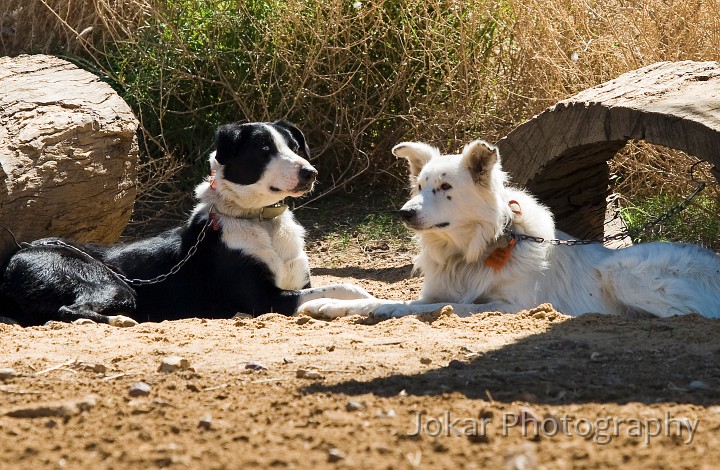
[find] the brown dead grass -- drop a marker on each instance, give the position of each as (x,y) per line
(360,80)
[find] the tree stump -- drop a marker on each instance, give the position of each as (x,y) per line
(68,152)
(561,154)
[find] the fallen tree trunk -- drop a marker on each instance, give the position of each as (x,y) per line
(68,152)
(561,154)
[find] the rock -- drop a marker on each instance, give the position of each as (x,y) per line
(255,366)
(7,374)
(69,152)
(287,360)
(205,422)
(140,389)
(308,374)
(62,409)
(335,455)
(173,364)
(455,364)
(425,360)
(355,406)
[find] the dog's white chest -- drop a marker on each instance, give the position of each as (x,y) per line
(277,243)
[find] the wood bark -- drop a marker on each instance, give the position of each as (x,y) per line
(68,152)
(561,154)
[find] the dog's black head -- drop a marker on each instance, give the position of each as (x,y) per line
(267,158)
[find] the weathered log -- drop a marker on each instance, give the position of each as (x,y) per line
(561,154)
(68,152)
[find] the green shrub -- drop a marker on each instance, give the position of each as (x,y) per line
(358,77)
(698,223)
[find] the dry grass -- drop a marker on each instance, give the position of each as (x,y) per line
(361,79)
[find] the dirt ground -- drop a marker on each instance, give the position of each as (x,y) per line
(536,389)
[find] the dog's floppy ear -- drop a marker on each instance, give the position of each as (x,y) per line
(227,140)
(416,153)
(296,134)
(479,158)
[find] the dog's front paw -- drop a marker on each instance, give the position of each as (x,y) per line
(121,321)
(392,310)
(351,292)
(333,308)
(83,321)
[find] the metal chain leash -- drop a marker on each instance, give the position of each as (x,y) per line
(141,282)
(625,233)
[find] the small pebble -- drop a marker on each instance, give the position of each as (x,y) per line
(205,422)
(255,366)
(386,414)
(425,360)
(308,374)
(287,360)
(455,364)
(595,356)
(355,406)
(7,374)
(140,389)
(303,320)
(173,363)
(334,455)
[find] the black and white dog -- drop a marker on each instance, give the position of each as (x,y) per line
(246,249)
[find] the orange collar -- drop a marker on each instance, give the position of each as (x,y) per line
(500,256)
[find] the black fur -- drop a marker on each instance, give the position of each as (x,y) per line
(48,282)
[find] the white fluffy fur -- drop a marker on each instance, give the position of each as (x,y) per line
(462,206)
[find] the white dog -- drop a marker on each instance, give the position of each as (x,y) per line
(466,219)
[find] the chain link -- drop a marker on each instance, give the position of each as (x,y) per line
(510,235)
(141,282)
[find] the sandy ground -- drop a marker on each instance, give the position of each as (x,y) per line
(533,390)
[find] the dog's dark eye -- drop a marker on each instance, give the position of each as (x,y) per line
(419,187)
(266,149)
(445,186)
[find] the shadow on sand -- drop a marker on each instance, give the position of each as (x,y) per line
(591,358)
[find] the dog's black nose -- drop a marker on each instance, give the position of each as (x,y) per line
(308,174)
(407,214)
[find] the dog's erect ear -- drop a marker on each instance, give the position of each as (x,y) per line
(227,140)
(297,135)
(479,158)
(416,153)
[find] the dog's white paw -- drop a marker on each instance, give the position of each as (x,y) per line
(392,310)
(333,308)
(121,321)
(83,321)
(350,292)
